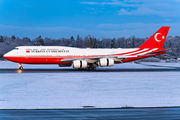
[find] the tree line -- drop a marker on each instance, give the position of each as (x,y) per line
(172,44)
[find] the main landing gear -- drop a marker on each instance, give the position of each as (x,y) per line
(88,68)
(20,66)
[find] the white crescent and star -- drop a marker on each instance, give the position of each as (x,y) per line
(155,37)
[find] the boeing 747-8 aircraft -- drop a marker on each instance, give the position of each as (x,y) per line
(87,58)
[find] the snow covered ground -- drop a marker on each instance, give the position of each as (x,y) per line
(98,89)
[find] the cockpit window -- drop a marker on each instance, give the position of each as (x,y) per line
(15,49)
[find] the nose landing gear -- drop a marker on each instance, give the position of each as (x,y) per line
(20,66)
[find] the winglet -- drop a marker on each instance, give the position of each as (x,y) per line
(157,39)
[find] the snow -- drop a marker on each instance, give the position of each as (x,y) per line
(98,89)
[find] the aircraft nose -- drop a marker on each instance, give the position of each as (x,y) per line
(6,55)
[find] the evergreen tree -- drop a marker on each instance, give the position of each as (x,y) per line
(1,39)
(38,41)
(113,43)
(78,37)
(13,37)
(72,41)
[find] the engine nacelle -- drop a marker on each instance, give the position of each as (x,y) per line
(80,64)
(106,62)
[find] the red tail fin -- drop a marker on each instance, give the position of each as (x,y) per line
(156,40)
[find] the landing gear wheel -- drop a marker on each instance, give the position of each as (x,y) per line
(94,68)
(21,68)
(91,68)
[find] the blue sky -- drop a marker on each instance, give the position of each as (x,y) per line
(99,18)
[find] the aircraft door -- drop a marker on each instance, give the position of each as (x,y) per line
(27,54)
(84,54)
(57,56)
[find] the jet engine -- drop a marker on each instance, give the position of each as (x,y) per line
(80,64)
(106,62)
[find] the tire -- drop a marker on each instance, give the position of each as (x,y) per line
(21,68)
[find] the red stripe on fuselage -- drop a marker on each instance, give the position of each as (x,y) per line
(141,52)
(129,52)
(46,59)
(35,60)
(139,57)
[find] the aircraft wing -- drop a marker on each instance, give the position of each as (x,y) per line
(116,58)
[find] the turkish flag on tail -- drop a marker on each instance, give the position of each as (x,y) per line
(157,39)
